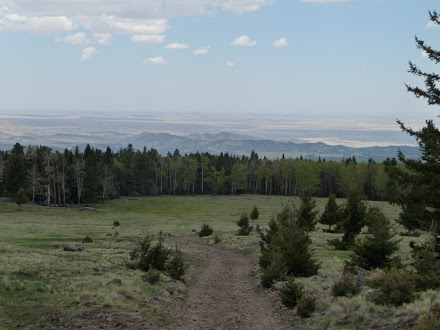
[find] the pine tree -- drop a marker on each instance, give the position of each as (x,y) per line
(330,216)
(16,173)
(285,248)
(21,198)
(421,177)
(307,213)
(243,223)
(254,215)
(375,249)
(353,219)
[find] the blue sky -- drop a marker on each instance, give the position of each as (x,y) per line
(334,58)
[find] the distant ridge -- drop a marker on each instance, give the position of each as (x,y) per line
(234,144)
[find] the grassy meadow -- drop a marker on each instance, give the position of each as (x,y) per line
(41,285)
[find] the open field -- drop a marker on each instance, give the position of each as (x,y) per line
(43,286)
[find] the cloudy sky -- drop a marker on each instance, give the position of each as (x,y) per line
(342,57)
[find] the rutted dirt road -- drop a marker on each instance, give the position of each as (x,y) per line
(225,296)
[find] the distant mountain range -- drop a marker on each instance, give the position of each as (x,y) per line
(235,144)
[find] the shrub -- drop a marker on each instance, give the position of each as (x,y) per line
(116,223)
(426,262)
(258,229)
(147,255)
(152,276)
(206,230)
(135,194)
(87,239)
(375,249)
(410,234)
(291,293)
(397,286)
(346,286)
(306,306)
(276,271)
(431,320)
(217,238)
(175,267)
(243,223)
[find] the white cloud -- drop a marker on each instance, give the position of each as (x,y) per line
(148,39)
(243,41)
(244,6)
(425,54)
(176,45)
(88,53)
(324,1)
(280,43)
(229,64)
(35,25)
(103,38)
(202,50)
(117,25)
(79,38)
(156,60)
(133,17)
(431,24)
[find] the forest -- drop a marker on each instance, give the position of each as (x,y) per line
(58,178)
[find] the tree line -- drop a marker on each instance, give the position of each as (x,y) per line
(52,177)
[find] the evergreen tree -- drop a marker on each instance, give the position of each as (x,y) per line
(254,215)
(353,219)
(330,216)
(243,223)
(307,213)
(16,172)
(21,198)
(285,248)
(375,249)
(421,177)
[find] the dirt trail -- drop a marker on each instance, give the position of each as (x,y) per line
(225,295)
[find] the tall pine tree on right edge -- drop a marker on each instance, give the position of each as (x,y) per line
(419,179)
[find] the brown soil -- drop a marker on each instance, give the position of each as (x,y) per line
(226,295)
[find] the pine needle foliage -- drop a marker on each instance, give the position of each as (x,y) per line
(375,249)
(330,216)
(285,248)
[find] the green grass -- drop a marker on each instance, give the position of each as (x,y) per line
(67,284)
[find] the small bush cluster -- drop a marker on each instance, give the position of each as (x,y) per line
(431,320)
(87,239)
(427,263)
(206,230)
(306,306)
(397,286)
(291,293)
(346,286)
(217,238)
(175,265)
(148,256)
(152,276)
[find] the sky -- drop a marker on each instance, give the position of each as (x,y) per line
(346,58)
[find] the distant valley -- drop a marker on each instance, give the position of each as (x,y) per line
(227,134)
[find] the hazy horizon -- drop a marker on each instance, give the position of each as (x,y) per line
(342,130)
